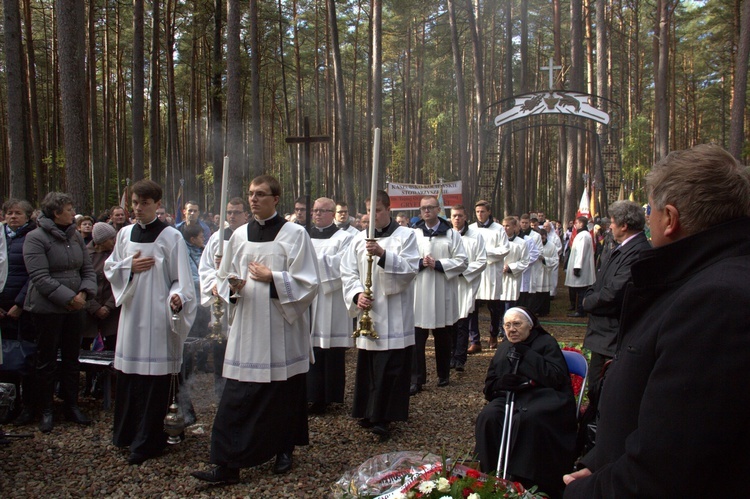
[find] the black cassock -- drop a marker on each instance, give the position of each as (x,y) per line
(544,419)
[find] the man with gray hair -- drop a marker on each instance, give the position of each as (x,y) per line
(603,300)
(674,406)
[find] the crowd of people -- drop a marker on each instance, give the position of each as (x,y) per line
(293,295)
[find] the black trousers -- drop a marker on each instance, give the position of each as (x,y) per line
(460,341)
(58,332)
(443,340)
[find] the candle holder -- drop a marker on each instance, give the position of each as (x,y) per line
(216,329)
(366,327)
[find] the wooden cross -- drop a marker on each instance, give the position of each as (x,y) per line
(551,70)
(307,139)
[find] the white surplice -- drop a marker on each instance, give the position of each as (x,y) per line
(468,281)
(146,342)
(207,271)
(332,326)
(534,242)
(517,260)
(581,257)
(549,267)
(553,238)
(393,307)
(496,246)
(435,292)
(269,339)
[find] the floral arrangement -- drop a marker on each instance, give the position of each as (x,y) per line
(409,475)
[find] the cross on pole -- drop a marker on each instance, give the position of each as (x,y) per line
(306,139)
(551,68)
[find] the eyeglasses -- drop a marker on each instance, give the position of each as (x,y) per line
(428,208)
(300,209)
(235,212)
(257,194)
(513,325)
(316,211)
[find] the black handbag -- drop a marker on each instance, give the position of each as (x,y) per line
(17,356)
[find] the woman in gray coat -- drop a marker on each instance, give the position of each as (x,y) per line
(62,279)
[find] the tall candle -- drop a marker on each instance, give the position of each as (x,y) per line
(374,185)
(222,220)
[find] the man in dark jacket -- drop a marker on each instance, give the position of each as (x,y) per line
(674,409)
(603,300)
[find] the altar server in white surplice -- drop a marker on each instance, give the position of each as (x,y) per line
(581,271)
(151,279)
(343,221)
(491,284)
(529,277)
(263,409)
(331,324)
(516,261)
(443,258)
(236,217)
(553,239)
(468,284)
(381,388)
(550,261)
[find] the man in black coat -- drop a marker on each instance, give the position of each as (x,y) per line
(603,300)
(675,406)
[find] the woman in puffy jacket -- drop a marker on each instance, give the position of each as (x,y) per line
(62,279)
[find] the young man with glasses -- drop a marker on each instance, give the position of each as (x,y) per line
(343,220)
(263,411)
(442,259)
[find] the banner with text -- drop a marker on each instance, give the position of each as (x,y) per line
(407,196)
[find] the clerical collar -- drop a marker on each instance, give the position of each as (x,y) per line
(143,226)
(323,232)
(263,222)
(511,238)
(464,230)
(262,231)
(485,224)
(147,233)
(387,230)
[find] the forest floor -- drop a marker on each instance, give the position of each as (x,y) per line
(75,461)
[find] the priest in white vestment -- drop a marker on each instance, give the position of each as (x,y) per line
(271,264)
(443,258)
(516,261)
(491,284)
(381,388)
(151,279)
(236,217)
(468,284)
(331,325)
(581,271)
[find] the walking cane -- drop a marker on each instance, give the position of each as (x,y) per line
(502,456)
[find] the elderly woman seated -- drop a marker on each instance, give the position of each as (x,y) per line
(544,415)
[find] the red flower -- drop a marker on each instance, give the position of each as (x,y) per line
(473,473)
(466,492)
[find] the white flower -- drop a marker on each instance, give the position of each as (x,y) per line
(426,487)
(399,495)
(473,495)
(443,485)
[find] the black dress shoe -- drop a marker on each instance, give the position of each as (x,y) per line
(460,367)
(415,388)
(365,423)
(381,430)
(74,414)
(220,475)
(283,463)
(46,424)
(443,382)
(317,408)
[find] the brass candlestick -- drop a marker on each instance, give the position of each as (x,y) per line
(366,327)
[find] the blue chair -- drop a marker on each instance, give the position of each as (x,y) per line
(577,365)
